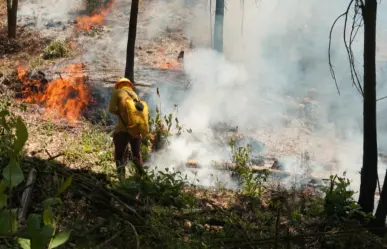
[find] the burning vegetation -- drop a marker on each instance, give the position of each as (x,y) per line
(64,97)
(87,22)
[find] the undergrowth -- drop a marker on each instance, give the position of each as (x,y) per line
(161,209)
(37,230)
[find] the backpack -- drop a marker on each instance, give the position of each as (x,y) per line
(137,114)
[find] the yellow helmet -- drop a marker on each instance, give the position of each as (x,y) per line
(125,80)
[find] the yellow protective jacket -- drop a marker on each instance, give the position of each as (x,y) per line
(117,106)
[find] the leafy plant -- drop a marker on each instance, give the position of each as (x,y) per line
(160,129)
(339,203)
(162,188)
(41,229)
(252,183)
(240,155)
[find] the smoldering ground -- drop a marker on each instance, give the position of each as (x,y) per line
(277,58)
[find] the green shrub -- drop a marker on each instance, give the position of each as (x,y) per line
(56,49)
(339,203)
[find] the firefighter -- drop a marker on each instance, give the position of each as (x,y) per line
(121,136)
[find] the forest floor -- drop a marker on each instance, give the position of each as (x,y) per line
(161,209)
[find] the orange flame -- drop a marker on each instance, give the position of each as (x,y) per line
(85,23)
(64,97)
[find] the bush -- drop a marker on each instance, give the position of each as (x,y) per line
(339,202)
(56,49)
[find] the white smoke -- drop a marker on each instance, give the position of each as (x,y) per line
(43,11)
(262,77)
(275,59)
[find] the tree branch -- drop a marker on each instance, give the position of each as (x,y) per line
(356,24)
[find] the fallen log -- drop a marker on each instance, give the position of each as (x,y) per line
(228,166)
(314,178)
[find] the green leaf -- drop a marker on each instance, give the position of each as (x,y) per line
(14,224)
(48,216)
(42,238)
(4,222)
(21,135)
(33,224)
(8,222)
(24,243)
(37,243)
(2,187)
(3,200)
(60,239)
(64,186)
(3,197)
(51,202)
(12,173)
(46,234)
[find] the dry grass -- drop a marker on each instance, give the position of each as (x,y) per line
(28,44)
(28,41)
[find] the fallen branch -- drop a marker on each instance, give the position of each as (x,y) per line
(56,156)
(51,157)
(228,166)
(135,234)
(27,194)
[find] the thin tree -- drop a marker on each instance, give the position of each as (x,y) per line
(12,17)
(218,29)
(369,171)
(130,49)
(368,10)
(381,211)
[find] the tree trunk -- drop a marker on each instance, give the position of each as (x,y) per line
(218,29)
(12,17)
(130,50)
(369,172)
(381,211)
